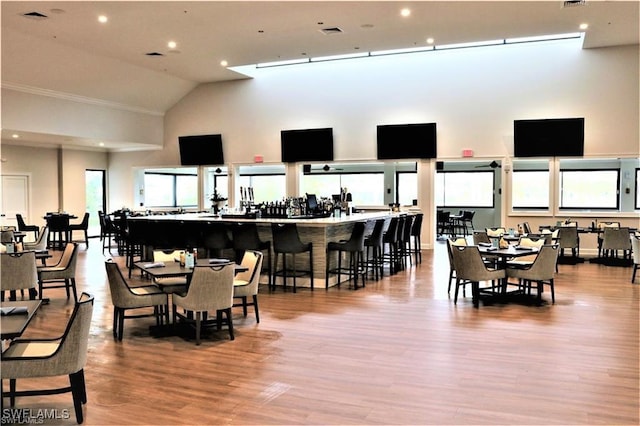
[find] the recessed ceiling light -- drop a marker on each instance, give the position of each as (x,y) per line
(101,144)
(584,26)
(405,12)
(172,45)
(103,19)
(224,63)
(430,40)
(15,136)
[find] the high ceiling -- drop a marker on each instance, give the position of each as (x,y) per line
(67,51)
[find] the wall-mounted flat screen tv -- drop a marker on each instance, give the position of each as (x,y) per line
(401,141)
(307,145)
(201,150)
(553,137)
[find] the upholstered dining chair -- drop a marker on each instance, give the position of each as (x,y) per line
(210,290)
(58,356)
(245,236)
(83,226)
(452,270)
(616,242)
(62,274)
(541,271)
(18,271)
(40,243)
(23,227)
(471,269)
(247,282)
(126,298)
(528,242)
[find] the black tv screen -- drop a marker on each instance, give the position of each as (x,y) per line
(553,137)
(307,145)
(400,141)
(201,150)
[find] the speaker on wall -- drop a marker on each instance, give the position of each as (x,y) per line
(439,165)
(306,168)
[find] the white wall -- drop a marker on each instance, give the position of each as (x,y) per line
(473,94)
(49,190)
(38,113)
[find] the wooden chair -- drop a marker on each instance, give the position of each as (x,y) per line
(58,356)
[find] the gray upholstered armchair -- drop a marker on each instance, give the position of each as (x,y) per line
(471,269)
(542,271)
(58,356)
(124,298)
(18,271)
(210,290)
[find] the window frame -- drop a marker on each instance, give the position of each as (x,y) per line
(468,206)
(531,208)
(587,208)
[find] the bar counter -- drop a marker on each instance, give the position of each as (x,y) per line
(319,231)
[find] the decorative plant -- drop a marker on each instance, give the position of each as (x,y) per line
(217,201)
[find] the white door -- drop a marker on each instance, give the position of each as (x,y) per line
(15,199)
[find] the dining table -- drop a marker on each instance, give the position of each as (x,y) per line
(16,316)
(501,257)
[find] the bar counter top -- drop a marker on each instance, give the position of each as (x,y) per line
(310,222)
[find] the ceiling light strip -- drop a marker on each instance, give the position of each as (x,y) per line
(497,42)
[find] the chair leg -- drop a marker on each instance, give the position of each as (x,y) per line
(244,305)
(77,383)
(198,324)
(230,323)
(121,324)
(115,322)
(255,307)
(12,392)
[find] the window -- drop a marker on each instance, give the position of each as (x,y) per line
(530,189)
(637,202)
(267,182)
(171,188)
(465,189)
(217,179)
(406,188)
(589,189)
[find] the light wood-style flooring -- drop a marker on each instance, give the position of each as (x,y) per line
(395,352)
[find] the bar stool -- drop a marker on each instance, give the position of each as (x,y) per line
(245,237)
(355,247)
(216,239)
(416,231)
(390,240)
(286,240)
(373,241)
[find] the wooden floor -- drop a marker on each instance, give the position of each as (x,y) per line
(396,352)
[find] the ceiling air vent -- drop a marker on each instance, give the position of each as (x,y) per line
(35,15)
(573,3)
(154,54)
(332,30)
